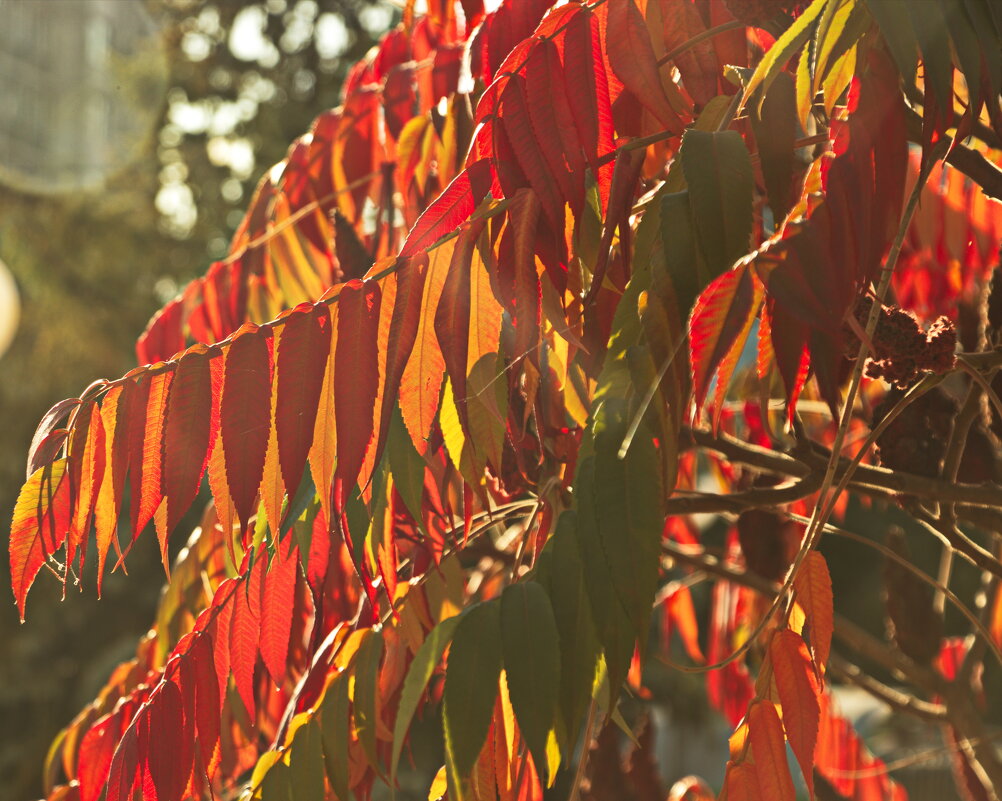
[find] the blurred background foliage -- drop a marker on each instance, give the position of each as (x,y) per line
(242,80)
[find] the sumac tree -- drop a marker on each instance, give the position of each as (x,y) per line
(479,347)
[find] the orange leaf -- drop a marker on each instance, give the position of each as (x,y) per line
(587,91)
(116,454)
(87,455)
(719,316)
(300,363)
(524,141)
(324,448)
(421,382)
(798,689)
(246,418)
(272,487)
(730,361)
(682,614)
(186,436)
(148,472)
(356,377)
(41,518)
(768,746)
(813,588)
(631,56)
(452,318)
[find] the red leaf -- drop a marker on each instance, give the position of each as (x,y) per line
(452,207)
(96,751)
(220,629)
(356,376)
(186,438)
(146,451)
(813,588)
(87,456)
(720,314)
(246,418)
(525,298)
(277,605)
(124,772)
(680,611)
(631,56)
(587,92)
(38,530)
(421,382)
(524,141)
(765,731)
(115,410)
(798,693)
(166,754)
(404,324)
(163,336)
(452,317)
(681,21)
(201,658)
(550,114)
(43,444)
(302,357)
(245,627)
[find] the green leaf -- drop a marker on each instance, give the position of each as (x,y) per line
(628,501)
(334,730)
(579,650)
(307,763)
(471,686)
(782,50)
(532,662)
(775,127)
(678,237)
(892,18)
(718,170)
(612,625)
(406,465)
(967,48)
(991,41)
(930,30)
(305,494)
(425,661)
(370,652)
(277,783)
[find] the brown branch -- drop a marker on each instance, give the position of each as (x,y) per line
(810,458)
(963,544)
(698,39)
(903,702)
(846,631)
(970,162)
(737,502)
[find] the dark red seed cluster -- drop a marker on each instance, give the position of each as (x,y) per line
(902,350)
(916,441)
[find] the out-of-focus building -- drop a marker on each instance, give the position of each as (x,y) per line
(81,84)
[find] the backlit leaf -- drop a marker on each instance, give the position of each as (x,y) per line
(246,418)
(718,171)
(532,662)
(186,438)
(768,746)
(813,588)
(471,684)
(38,530)
(419,673)
(631,55)
(798,689)
(300,363)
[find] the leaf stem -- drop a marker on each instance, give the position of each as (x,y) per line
(699,38)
